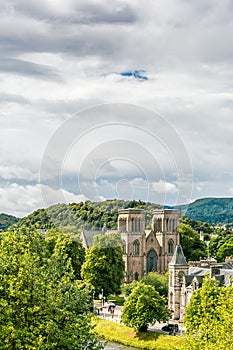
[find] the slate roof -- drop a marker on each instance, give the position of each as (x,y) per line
(88,236)
(178,257)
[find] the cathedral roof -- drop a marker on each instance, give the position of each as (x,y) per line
(178,257)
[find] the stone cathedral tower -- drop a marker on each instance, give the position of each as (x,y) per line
(147,250)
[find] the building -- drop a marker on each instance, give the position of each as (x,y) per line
(185,278)
(144,250)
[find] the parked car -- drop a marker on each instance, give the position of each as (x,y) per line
(170,328)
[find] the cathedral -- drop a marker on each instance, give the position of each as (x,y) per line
(144,250)
(147,250)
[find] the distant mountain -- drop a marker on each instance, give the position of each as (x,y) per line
(7,221)
(217,211)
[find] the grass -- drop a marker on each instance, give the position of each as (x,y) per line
(119,333)
(116,300)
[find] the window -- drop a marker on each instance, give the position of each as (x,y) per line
(181,277)
(136,247)
(124,248)
(136,275)
(170,247)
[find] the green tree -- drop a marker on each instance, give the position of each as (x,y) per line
(193,247)
(104,265)
(208,317)
(72,247)
(157,280)
(221,246)
(144,306)
(225,250)
(42,305)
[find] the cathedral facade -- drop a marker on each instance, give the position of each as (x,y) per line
(143,250)
(147,250)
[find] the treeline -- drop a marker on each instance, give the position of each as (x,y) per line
(7,221)
(85,215)
(218,241)
(217,211)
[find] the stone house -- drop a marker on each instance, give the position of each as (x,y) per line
(185,278)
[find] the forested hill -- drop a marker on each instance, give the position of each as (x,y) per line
(86,215)
(213,210)
(7,221)
(95,215)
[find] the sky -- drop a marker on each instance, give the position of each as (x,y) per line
(105,99)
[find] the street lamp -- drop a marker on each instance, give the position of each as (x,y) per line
(102,296)
(94,301)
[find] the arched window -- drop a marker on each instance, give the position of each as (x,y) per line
(136,275)
(124,247)
(136,247)
(181,277)
(170,247)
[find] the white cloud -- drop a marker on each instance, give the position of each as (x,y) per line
(164,187)
(58,58)
(17,172)
(20,200)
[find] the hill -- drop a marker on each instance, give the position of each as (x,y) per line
(85,215)
(217,211)
(95,215)
(7,221)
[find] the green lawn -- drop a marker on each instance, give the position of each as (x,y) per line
(116,300)
(143,340)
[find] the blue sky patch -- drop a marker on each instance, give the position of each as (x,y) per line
(137,74)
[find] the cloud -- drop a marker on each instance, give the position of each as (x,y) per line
(17,172)
(26,68)
(55,60)
(20,200)
(164,187)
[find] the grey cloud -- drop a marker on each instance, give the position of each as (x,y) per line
(7,97)
(192,33)
(81,12)
(22,67)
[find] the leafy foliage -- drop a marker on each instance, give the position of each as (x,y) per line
(104,265)
(208,317)
(7,221)
(216,211)
(143,307)
(157,280)
(71,247)
(193,247)
(85,215)
(221,246)
(42,305)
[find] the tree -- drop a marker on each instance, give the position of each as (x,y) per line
(42,305)
(225,250)
(221,246)
(72,247)
(157,280)
(208,317)
(193,247)
(144,306)
(104,265)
